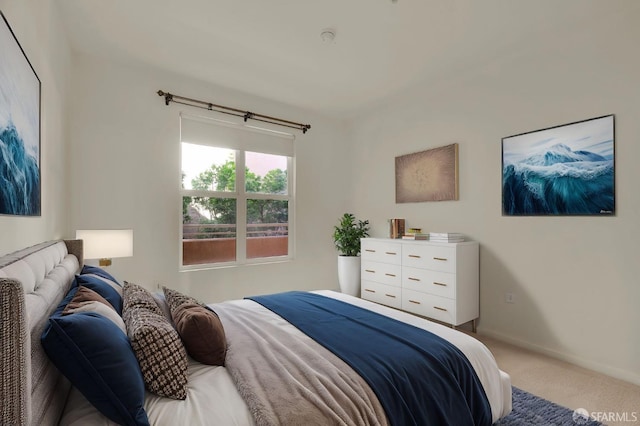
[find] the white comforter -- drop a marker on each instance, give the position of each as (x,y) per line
(212,398)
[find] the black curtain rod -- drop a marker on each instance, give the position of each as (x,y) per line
(247,115)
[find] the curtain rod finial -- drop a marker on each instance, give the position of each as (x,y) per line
(168,97)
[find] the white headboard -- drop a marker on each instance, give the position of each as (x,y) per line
(33,281)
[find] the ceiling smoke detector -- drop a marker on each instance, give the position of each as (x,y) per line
(328,35)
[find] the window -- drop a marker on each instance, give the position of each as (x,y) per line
(237,197)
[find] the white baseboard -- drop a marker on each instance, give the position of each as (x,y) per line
(627,376)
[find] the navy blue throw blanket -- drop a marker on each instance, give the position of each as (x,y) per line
(419,378)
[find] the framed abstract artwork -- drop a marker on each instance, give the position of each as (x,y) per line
(20,185)
(564,170)
(430,175)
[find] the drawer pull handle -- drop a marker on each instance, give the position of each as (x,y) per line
(390,275)
(392,253)
(370,250)
(441,284)
(415,256)
(390,295)
(370,270)
(414,279)
(370,291)
(413,301)
(439,308)
(444,259)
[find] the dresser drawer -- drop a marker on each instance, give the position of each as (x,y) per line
(381,293)
(385,273)
(434,257)
(381,251)
(441,284)
(428,305)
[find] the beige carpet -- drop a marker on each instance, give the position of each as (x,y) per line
(566,384)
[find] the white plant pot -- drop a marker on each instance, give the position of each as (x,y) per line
(349,275)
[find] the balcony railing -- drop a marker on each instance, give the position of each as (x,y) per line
(209,230)
(214,243)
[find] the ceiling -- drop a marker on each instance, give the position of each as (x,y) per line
(273,48)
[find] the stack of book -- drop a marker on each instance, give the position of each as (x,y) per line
(415,234)
(446,237)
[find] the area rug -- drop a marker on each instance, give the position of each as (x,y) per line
(529,410)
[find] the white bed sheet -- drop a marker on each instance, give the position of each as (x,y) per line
(212,398)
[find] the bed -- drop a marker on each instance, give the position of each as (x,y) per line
(261,381)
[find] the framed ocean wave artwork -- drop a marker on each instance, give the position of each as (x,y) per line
(20,185)
(567,170)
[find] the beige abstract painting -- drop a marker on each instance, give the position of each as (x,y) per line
(430,175)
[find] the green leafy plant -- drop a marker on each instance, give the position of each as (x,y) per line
(347,234)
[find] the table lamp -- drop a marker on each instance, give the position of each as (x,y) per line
(105,244)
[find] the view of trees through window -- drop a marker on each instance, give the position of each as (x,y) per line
(212,203)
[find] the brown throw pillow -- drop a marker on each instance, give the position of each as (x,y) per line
(156,344)
(87,300)
(199,327)
(83,296)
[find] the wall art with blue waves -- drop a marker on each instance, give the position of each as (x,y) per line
(564,170)
(20,182)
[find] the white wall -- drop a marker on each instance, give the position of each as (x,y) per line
(38,29)
(576,279)
(126,174)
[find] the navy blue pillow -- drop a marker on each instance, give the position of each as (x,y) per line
(88,269)
(74,289)
(96,357)
(103,289)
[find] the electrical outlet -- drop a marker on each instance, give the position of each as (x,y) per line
(509,298)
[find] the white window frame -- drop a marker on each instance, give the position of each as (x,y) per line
(240,194)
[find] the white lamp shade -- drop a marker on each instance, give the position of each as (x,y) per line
(106,243)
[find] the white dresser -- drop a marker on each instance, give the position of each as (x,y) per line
(435,280)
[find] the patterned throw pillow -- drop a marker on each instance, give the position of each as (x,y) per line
(162,304)
(156,344)
(199,327)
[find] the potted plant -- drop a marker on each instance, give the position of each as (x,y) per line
(346,236)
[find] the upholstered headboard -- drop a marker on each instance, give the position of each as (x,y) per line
(33,281)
